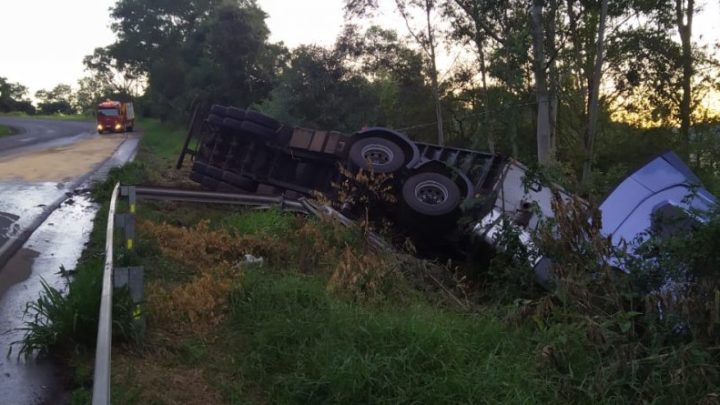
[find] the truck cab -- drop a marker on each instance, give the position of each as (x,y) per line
(115,116)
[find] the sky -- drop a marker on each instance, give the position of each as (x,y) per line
(44,41)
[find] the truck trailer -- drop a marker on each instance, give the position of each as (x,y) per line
(433,186)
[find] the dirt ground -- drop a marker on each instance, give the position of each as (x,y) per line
(61,163)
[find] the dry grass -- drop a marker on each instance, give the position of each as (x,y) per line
(153,380)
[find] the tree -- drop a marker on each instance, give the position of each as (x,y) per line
(396,73)
(684,12)
(91,90)
(190,51)
(544,140)
(594,95)
(13,97)
(59,100)
(499,30)
(108,77)
(424,35)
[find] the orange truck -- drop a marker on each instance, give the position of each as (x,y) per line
(115,116)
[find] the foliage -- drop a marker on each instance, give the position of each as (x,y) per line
(192,51)
(13,97)
(639,348)
(5,130)
(58,100)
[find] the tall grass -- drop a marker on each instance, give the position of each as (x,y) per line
(301,345)
(161,140)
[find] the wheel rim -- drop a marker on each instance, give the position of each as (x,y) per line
(431,192)
(377,155)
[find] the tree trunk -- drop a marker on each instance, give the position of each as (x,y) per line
(434,74)
(479,43)
(684,17)
(486,102)
(544,142)
(554,79)
(594,96)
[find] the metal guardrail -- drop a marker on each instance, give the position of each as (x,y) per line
(302,205)
(101,379)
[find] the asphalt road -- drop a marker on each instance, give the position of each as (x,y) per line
(34,131)
(57,241)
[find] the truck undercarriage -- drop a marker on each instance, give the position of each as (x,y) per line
(423,189)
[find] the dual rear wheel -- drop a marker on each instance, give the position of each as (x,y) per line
(427,193)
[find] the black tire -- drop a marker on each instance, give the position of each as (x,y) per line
(235,113)
(377,154)
(215,120)
(232,124)
(239,181)
(209,183)
(129,129)
(199,167)
(213,172)
(218,110)
(431,194)
(196,177)
(257,130)
(262,119)
(284,134)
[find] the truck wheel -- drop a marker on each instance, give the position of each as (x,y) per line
(215,120)
(196,177)
(377,154)
(256,129)
(236,113)
(199,167)
(209,183)
(431,194)
(218,110)
(262,119)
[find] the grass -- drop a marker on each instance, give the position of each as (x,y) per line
(5,131)
(301,344)
(283,337)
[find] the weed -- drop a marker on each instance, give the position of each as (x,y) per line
(365,276)
(196,306)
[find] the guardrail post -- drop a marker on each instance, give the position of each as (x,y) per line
(132,277)
(127,223)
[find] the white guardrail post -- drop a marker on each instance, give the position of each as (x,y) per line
(101,379)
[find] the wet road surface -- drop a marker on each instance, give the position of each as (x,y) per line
(36,131)
(58,241)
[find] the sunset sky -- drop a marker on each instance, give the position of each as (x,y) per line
(44,41)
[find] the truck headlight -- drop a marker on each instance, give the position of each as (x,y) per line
(118,126)
(99,127)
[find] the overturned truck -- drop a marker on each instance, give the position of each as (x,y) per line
(237,150)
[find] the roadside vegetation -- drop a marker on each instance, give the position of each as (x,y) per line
(326,318)
(5,130)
